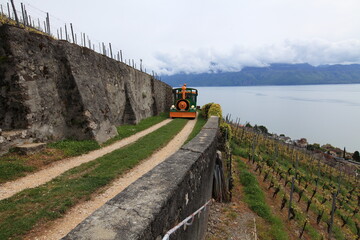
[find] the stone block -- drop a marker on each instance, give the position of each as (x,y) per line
(30,148)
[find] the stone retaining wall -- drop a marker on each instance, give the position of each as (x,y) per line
(160,199)
(55,89)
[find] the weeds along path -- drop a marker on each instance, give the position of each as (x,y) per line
(60,227)
(35,179)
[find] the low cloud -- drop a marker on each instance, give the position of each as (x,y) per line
(315,52)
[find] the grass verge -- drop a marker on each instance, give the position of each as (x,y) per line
(127,130)
(200,122)
(14,165)
(20,213)
(255,198)
(72,148)
(12,168)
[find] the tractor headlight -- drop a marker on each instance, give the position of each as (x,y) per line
(192,106)
(172,107)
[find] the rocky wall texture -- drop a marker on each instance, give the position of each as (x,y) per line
(55,89)
(162,198)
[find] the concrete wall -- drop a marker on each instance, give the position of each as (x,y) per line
(55,89)
(160,199)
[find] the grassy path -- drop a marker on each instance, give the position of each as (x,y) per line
(21,212)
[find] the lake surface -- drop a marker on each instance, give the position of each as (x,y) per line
(320,113)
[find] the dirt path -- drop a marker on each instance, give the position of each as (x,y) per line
(33,180)
(60,227)
(233,220)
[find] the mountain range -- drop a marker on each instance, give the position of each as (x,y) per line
(275,74)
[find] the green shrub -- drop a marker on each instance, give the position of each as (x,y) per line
(215,110)
(205,110)
(225,130)
(225,137)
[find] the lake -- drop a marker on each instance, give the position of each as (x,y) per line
(320,113)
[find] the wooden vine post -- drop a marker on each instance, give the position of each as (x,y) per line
(253,150)
(332,214)
(291,211)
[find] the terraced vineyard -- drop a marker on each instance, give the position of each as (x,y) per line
(317,200)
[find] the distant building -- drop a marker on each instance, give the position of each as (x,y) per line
(302,142)
(348,156)
(332,153)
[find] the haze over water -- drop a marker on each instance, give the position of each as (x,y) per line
(320,113)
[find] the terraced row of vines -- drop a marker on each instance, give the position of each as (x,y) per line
(321,201)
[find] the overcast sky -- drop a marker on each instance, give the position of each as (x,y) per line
(188,35)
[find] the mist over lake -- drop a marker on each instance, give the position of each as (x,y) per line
(320,113)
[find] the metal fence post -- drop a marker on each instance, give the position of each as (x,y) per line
(8,7)
(23,14)
(111,53)
(104,50)
(48,23)
(66,35)
(45,30)
(72,32)
(84,40)
(16,17)
(26,17)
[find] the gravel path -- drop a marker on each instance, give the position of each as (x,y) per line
(35,179)
(60,227)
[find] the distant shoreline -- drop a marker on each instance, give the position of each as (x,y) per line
(274,75)
(321,84)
